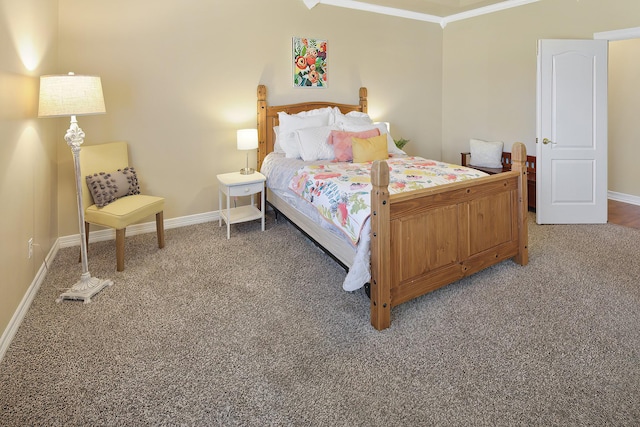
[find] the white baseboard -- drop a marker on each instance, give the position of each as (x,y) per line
(626,198)
(23,307)
(147,227)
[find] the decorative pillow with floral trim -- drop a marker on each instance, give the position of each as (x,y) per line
(106,187)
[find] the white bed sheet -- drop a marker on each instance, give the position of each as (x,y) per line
(279,170)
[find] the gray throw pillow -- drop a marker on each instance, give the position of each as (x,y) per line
(105,187)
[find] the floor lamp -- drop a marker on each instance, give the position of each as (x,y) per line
(74,95)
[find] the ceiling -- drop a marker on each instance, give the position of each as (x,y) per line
(437,11)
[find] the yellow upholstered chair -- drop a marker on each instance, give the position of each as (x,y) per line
(123,211)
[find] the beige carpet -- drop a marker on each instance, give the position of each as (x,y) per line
(256,331)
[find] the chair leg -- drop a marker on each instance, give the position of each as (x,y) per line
(86,233)
(160,228)
(120,249)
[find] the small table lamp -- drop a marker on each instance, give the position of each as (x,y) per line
(72,95)
(247,140)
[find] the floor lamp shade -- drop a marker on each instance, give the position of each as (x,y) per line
(70,96)
(247,139)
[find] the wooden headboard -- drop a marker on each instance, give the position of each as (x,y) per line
(268,116)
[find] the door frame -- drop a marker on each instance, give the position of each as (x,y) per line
(616,35)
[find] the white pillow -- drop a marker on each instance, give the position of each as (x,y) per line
(353,118)
(327,111)
(486,154)
(317,112)
(289,124)
(382,127)
(277,148)
(313,143)
(356,114)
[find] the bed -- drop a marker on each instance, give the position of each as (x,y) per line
(416,241)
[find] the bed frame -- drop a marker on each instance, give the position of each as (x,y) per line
(424,239)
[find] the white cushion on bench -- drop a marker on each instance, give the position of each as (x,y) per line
(486,154)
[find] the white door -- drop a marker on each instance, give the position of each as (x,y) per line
(571,132)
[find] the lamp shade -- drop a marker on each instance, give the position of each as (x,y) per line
(70,95)
(247,139)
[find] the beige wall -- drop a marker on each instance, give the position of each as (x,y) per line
(489,70)
(180,77)
(28,163)
(624,128)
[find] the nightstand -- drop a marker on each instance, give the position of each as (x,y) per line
(235,184)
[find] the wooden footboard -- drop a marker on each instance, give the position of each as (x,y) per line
(423,240)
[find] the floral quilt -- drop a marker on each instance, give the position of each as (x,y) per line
(341,191)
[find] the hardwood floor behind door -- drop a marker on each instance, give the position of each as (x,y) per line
(624,214)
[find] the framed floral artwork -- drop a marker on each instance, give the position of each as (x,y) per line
(309,62)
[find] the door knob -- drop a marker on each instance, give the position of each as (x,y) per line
(546,141)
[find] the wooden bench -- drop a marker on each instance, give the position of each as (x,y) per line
(506,166)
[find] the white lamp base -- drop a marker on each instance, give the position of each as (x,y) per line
(85,288)
(247,171)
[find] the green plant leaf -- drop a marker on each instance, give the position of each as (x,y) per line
(401,142)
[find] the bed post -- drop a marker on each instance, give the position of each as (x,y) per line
(380,246)
(363,99)
(262,124)
(519,159)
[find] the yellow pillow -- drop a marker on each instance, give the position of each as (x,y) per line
(369,149)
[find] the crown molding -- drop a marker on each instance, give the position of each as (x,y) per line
(311,3)
(402,13)
(624,34)
(485,10)
(383,10)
